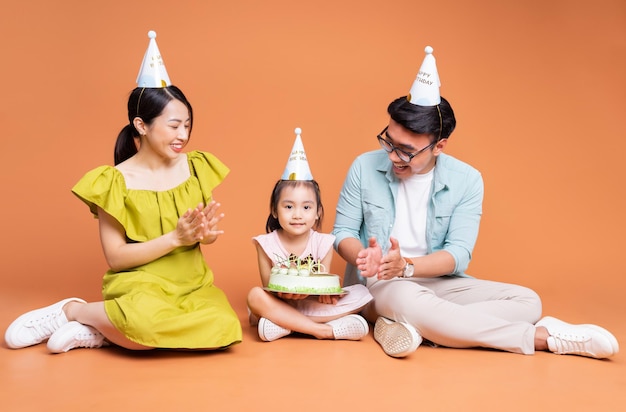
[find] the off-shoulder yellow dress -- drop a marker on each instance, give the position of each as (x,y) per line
(172,301)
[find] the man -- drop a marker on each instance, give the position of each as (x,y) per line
(407,221)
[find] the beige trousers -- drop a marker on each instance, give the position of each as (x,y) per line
(462,312)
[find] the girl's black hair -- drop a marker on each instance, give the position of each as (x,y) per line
(146,103)
(423,119)
(272,220)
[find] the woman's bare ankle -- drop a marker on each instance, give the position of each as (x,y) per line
(69,309)
(541,338)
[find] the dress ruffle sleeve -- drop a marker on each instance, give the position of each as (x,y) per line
(209,170)
(103,187)
(148,214)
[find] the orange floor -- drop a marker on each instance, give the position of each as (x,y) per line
(303,374)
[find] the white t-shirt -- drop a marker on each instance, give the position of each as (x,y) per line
(411,208)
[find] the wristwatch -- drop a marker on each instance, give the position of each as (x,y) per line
(408,270)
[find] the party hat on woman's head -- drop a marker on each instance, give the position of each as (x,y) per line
(425,89)
(297,164)
(152,72)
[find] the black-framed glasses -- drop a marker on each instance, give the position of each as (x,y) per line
(402,155)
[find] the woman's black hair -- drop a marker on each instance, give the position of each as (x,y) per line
(146,103)
(423,119)
(272,220)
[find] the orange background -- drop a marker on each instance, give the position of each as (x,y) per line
(538,88)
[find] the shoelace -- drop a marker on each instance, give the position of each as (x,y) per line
(88,340)
(571,343)
(45,326)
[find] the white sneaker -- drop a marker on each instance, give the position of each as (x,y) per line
(350,327)
(37,325)
(583,340)
(398,339)
(75,335)
(269,331)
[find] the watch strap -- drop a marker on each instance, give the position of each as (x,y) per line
(404,271)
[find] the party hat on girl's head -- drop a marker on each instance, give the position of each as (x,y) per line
(425,89)
(297,165)
(152,72)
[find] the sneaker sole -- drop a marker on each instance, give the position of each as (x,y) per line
(397,339)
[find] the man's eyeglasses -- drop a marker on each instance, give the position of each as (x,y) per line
(402,155)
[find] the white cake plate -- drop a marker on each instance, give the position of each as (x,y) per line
(341,294)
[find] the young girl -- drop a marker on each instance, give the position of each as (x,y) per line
(154,208)
(296,213)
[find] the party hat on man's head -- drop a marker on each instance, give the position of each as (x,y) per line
(152,72)
(425,89)
(297,164)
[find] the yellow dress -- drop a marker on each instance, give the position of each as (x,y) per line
(170,302)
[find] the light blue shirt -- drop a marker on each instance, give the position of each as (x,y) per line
(366,208)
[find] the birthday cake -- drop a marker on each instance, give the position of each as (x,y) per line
(293,275)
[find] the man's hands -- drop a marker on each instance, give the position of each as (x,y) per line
(368,260)
(371,262)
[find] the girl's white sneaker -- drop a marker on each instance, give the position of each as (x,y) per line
(269,331)
(350,327)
